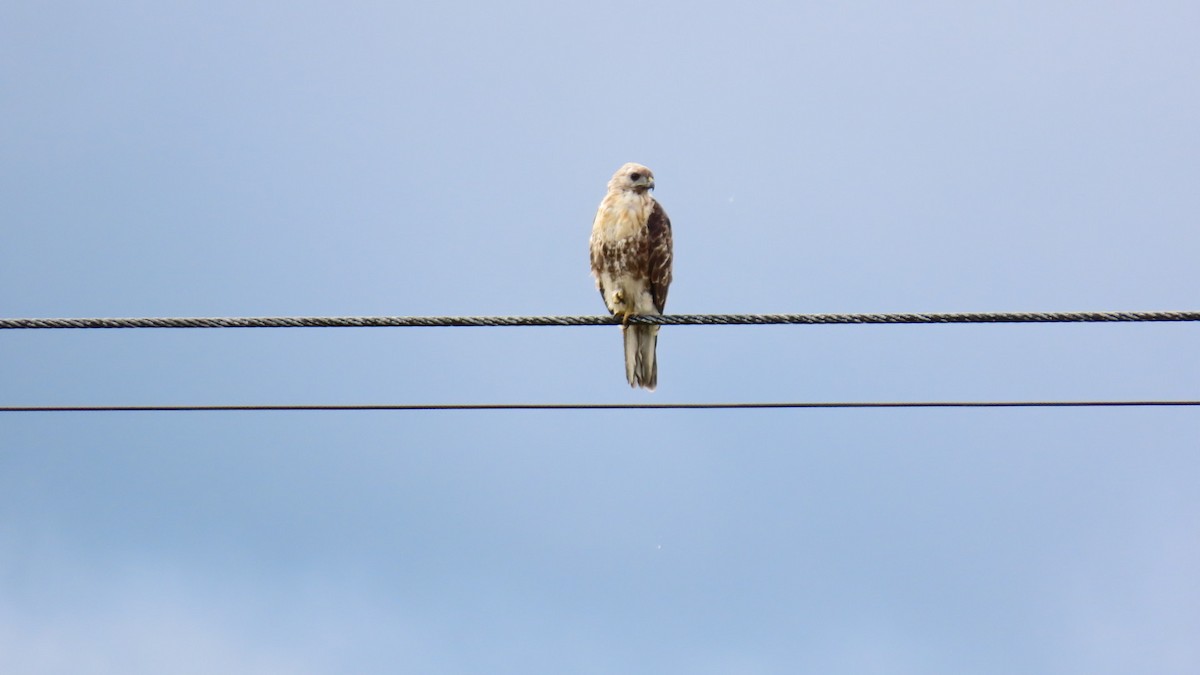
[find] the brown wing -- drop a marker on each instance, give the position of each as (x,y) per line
(596,253)
(659,227)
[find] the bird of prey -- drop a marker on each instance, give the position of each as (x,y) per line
(631,261)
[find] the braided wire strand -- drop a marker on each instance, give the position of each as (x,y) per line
(669,320)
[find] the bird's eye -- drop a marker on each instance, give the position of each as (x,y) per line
(635,176)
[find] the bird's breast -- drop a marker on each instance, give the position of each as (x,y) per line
(623,216)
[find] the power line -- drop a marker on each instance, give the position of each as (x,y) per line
(676,319)
(605,406)
(671,319)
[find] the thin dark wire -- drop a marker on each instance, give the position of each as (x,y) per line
(606,406)
(671,319)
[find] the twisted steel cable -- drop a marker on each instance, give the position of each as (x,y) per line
(670,320)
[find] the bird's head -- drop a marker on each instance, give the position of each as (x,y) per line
(633,177)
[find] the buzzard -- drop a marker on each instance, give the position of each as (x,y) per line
(631,260)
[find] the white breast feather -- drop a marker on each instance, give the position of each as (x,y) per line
(620,222)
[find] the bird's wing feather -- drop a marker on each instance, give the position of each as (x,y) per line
(658,226)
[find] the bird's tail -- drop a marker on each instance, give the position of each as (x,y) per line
(641,361)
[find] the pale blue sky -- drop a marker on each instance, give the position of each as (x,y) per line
(229,159)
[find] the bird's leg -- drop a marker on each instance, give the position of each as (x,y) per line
(618,306)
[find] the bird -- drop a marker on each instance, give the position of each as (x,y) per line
(631,260)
